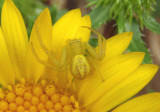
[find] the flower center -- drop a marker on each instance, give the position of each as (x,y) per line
(41,97)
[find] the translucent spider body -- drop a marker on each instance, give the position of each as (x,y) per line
(75,55)
(79,67)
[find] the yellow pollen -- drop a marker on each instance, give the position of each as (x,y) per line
(58,106)
(40,106)
(26,111)
(34,100)
(52,110)
(64,100)
(33,109)
(12,106)
(67,108)
(76,104)
(43,98)
(3,105)
(1,94)
(49,105)
(72,99)
(50,89)
(76,110)
(44,110)
(40,97)
(10,97)
(37,91)
(55,98)
(20,89)
(10,88)
(20,108)
(8,111)
(28,96)
(27,104)
(19,100)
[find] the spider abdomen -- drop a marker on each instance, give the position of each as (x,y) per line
(80,67)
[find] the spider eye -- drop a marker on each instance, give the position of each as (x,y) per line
(77,40)
(73,41)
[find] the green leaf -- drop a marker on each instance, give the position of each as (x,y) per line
(1,3)
(120,21)
(93,42)
(150,23)
(30,9)
(56,13)
(137,44)
(99,15)
(91,4)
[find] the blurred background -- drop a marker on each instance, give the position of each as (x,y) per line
(109,17)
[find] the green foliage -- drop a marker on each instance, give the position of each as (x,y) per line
(156,13)
(128,14)
(137,44)
(99,16)
(129,8)
(1,3)
(120,22)
(29,11)
(122,10)
(151,24)
(93,42)
(56,13)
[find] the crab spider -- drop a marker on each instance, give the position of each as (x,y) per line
(77,56)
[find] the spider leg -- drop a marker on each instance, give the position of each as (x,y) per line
(65,61)
(41,61)
(101,45)
(90,58)
(62,79)
(45,49)
(91,50)
(64,57)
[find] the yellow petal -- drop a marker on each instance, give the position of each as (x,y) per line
(145,103)
(15,34)
(84,33)
(118,72)
(117,44)
(69,27)
(113,71)
(6,72)
(125,89)
(44,27)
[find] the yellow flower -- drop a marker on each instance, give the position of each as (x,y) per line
(28,86)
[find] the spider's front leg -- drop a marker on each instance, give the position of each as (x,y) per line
(57,65)
(64,58)
(101,48)
(42,61)
(93,62)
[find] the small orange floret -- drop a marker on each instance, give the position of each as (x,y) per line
(37,98)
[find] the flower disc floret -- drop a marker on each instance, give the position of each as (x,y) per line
(39,98)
